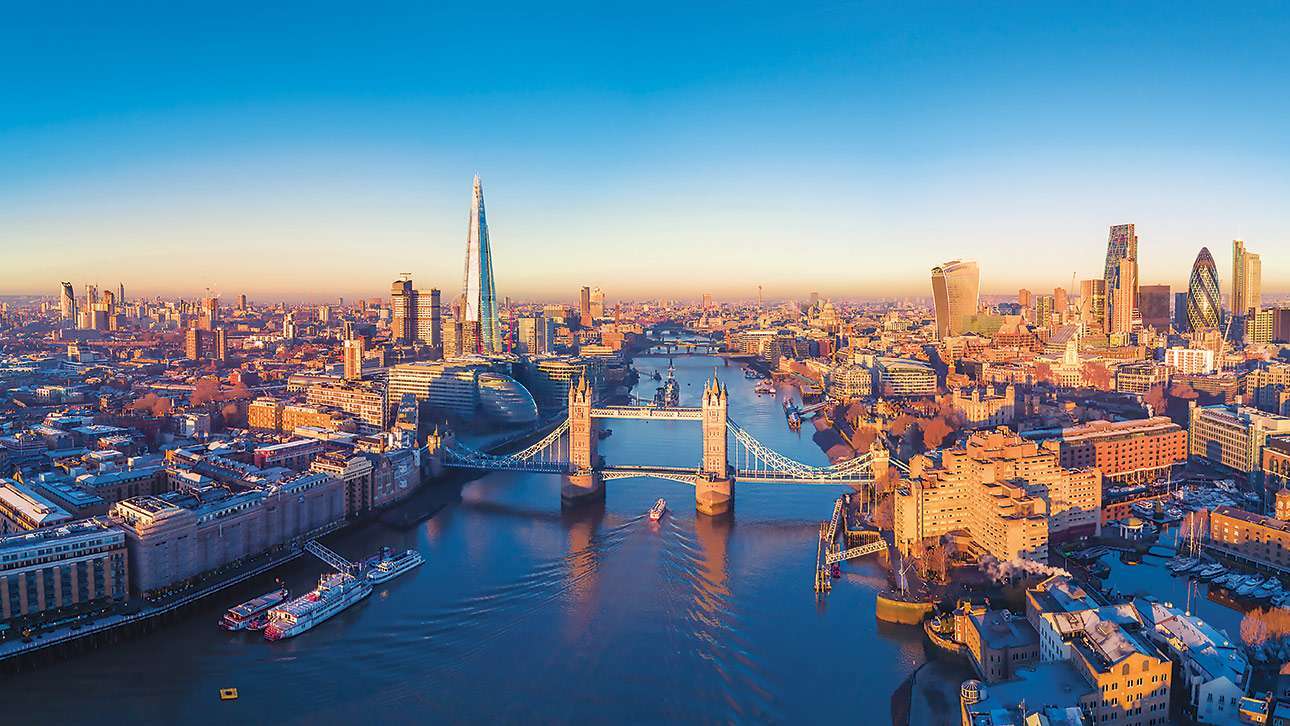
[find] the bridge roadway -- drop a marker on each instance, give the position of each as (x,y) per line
(648,412)
(688,475)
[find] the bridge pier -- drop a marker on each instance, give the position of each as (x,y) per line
(581,487)
(714,495)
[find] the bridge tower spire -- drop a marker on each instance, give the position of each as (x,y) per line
(714,490)
(584,480)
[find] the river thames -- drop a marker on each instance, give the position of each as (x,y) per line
(525,613)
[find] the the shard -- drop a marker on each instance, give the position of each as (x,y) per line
(479,293)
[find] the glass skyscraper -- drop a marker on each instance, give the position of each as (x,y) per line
(1121,280)
(955,288)
(479,293)
(1203,302)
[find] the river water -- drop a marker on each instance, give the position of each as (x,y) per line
(523,612)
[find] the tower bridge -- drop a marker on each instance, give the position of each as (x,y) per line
(729,453)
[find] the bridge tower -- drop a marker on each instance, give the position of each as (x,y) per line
(714,489)
(583,481)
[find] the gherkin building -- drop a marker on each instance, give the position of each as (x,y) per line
(1203,301)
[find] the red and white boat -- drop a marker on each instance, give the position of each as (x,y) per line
(656,511)
(243,617)
(335,593)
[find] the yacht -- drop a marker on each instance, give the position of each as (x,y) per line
(243,617)
(391,566)
(1210,571)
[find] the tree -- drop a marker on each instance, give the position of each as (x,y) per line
(1254,629)
(206,390)
(1096,375)
(1043,373)
(1155,398)
(935,431)
(151,403)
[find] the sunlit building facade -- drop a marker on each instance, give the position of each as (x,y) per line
(1121,277)
(955,289)
(1203,301)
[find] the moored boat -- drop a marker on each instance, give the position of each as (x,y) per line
(240,617)
(335,593)
(391,566)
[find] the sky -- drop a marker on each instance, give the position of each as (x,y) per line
(310,151)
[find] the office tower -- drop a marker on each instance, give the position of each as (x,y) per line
(707,300)
(241,301)
(67,302)
(1123,302)
(955,286)
(597,304)
(1044,309)
(1180,312)
(1153,303)
(428,326)
(1203,303)
(347,330)
(353,358)
(1060,303)
(209,316)
(584,306)
(1247,285)
(1092,303)
(289,326)
(120,293)
(324,314)
(403,307)
(479,290)
(535,334)
(1023,297)
(1121,280)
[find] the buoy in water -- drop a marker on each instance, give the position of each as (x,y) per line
(228,694)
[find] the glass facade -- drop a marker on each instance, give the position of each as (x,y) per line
(480,304)
(1121,282)
(1203,302)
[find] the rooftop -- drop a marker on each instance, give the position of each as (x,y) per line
(38,510)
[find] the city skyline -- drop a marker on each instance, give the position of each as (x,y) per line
(911,132)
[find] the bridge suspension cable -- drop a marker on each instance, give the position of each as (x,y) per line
(761,461)
(550,453)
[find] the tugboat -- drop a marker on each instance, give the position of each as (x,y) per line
(391,566)
(656,511)
(246,615)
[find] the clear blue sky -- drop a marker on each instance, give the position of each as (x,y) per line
(651,149)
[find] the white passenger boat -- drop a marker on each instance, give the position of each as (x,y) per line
(656,511)
(391,566)
(335,593)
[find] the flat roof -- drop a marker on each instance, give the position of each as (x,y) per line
(31,505)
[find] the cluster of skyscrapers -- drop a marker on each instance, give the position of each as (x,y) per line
(1117,305)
